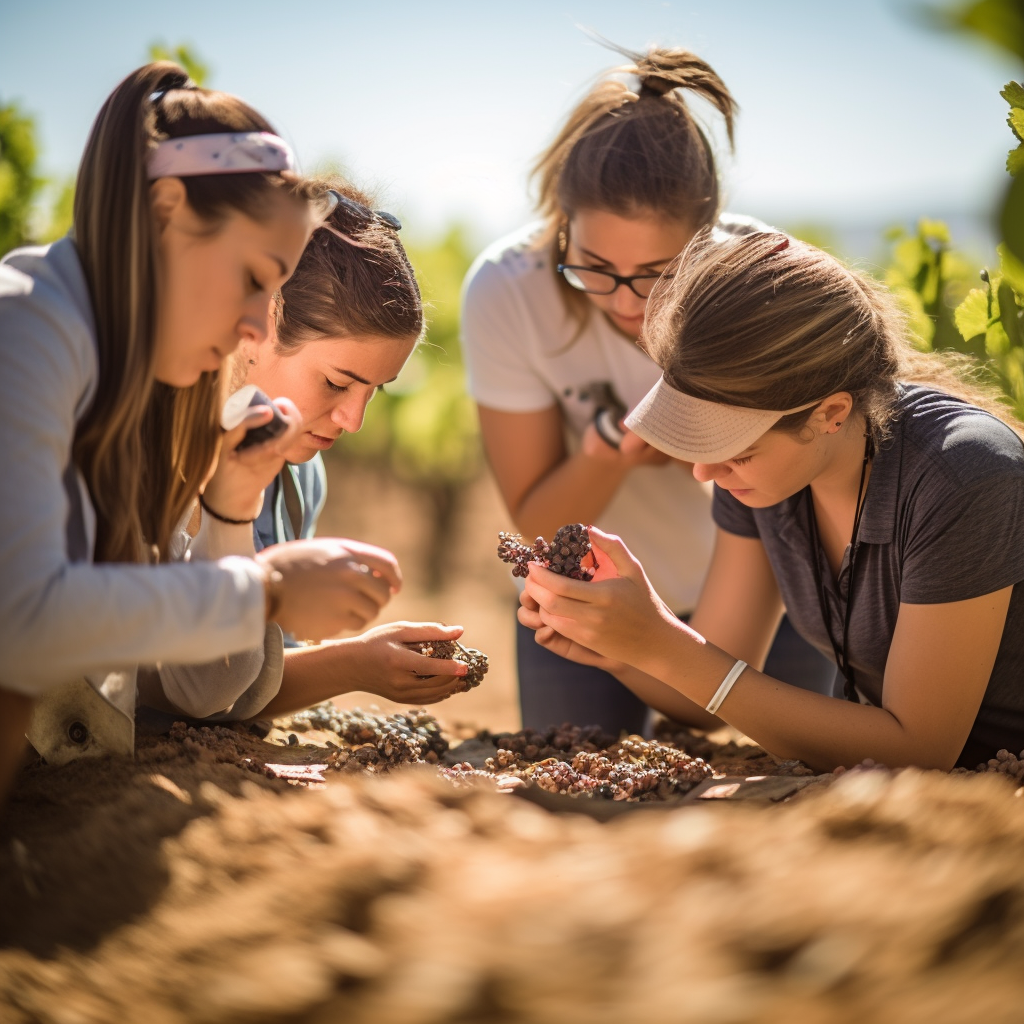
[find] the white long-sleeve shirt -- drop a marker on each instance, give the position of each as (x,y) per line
(61,616)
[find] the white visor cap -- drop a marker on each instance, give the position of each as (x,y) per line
(694,430)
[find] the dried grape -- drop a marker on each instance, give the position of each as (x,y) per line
(454,651)
(564,555)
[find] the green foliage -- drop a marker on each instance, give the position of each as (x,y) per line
(184,55)
(425,425)
(998,21)
(929,278)
(19,182)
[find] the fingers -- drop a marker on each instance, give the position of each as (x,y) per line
(416,632)
(552,582)
(611,546)
(378,560)
(530,616)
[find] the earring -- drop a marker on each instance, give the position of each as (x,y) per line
(252,362)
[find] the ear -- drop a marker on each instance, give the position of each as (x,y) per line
(832,413)
(167,197)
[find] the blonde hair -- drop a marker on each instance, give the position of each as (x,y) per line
(635,152)
(144,451)
(766,322)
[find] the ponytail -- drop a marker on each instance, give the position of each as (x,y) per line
(636,152)
(144,449)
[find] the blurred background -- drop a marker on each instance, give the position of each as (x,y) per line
(876,130)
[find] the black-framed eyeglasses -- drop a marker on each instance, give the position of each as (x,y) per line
(604,282)
(362,215)
(601,282)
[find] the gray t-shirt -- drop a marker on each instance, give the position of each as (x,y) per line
(943,521)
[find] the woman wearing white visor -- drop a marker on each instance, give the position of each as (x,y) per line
(864,485)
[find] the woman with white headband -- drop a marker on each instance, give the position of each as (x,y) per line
(867,486)
(188,217)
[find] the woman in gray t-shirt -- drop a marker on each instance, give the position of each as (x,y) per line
(859,483)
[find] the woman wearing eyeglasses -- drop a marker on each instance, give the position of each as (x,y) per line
(339,330)
(862,483)
(550,321)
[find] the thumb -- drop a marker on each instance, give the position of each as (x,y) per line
(617,559)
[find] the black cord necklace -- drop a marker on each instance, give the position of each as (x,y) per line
(840,649)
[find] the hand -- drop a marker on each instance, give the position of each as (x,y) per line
(529,616)
(634,450)
(235,490)
(378,662)
(328,585)
(616,616)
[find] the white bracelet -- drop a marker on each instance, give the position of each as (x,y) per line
(723,691)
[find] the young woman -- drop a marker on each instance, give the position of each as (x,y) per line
(340,329)
(188,217)
(550,321)
(857,481)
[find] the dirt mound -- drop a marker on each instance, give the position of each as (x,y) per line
(185,886)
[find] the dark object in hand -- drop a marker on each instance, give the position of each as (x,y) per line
(564,555)
(234,412)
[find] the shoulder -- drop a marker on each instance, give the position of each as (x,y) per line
(518,260)
(46,318)
(954,440)
(50,276)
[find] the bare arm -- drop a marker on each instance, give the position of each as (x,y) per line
(939,665)
(376,662)
(543,486)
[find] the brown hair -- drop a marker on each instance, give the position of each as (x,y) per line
(635,152)
(145,451)
(766,322)
(354,278)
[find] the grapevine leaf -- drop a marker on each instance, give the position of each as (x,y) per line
(971,316)
(997,343)
(1011,218)
(1010,315)
(999,21)
(936,231)
(1013,93)
(1015,161)
(1011,268)
(1016,122)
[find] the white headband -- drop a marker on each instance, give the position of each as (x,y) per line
(223,153)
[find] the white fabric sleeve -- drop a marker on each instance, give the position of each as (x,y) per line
(60,619)
(235,687)
(495,332)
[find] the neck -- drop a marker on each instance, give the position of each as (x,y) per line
(838,482)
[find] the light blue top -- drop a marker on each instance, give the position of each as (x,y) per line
(273,525)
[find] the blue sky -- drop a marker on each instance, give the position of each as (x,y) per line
(849,112)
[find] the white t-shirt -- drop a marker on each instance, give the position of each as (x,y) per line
(520,356)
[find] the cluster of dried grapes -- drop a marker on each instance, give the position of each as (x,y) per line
(633,769)
(564,555)
(454,651)
(1005,763)
(376,741)
(534,745)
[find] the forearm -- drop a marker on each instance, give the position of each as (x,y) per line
(217,540)
(577,490)
(667,700)
(311,675)
(786,720)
